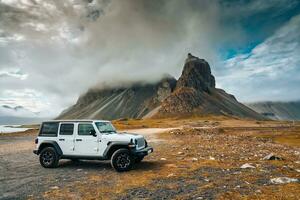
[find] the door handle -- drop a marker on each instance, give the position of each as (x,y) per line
(77,140)
(61,139)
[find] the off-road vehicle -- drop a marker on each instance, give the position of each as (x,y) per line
(86,140)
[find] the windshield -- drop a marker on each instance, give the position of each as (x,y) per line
(105,127)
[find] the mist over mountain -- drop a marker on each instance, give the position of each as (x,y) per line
(194,93)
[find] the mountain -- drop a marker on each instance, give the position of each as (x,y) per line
(193,94)
(277,110)
(134,101)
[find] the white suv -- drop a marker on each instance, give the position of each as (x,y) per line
(88,139)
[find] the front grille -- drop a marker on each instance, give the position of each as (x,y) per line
(140,142)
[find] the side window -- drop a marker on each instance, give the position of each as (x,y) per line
(49,129)
(85,129)
(66,129)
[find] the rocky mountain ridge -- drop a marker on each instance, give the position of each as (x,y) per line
(193,94)
(277,110)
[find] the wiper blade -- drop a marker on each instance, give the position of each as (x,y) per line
(107,131)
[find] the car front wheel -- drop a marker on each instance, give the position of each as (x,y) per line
(121,160)
(49,158)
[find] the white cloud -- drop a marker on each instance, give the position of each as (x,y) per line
(70,46)
(15,73)
(276,61)
(29,99)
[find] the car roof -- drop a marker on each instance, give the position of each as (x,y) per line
(76,120)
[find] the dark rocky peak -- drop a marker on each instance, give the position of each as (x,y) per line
(196,74)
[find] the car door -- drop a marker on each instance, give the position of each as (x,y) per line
(66,138)
(85,143)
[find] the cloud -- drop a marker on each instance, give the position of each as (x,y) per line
(64,47)
(15,73)
(270,71)
(69,46)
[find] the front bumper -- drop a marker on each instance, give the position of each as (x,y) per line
(142,152)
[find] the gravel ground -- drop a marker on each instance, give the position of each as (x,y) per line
(23,177)
(206,167)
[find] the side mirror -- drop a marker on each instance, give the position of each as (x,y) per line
(93,133)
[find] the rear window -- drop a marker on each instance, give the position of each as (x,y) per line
(66,129)
(49,129)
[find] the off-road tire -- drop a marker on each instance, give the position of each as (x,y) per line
(49,157)
(122,160)
(138,159)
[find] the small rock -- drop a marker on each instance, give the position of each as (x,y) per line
(297,170)
(272,157)
(180,153)
(170,175)
(199,197)
(194,159)
(246,166)
(163,159)
(79,170)
(283,180)
(54,188)
(211,158)
(258,191)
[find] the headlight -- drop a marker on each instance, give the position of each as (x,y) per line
(131,144)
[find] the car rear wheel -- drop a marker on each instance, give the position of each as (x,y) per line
(49,158)
(122,160)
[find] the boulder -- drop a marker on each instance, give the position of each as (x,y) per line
(272,157)
(284,180)
(247,166)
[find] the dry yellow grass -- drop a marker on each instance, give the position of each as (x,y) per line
(221,148)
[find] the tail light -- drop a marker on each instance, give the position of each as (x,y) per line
(36,140)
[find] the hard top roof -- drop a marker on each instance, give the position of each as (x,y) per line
(76,120)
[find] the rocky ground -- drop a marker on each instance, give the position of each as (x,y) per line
(195,159)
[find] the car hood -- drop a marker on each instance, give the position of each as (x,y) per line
(121,137)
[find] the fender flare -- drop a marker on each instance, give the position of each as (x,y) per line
(50,143)
(114,145)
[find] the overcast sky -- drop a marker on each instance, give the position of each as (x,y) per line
(53,51)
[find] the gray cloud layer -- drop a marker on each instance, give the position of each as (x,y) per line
(57,49)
